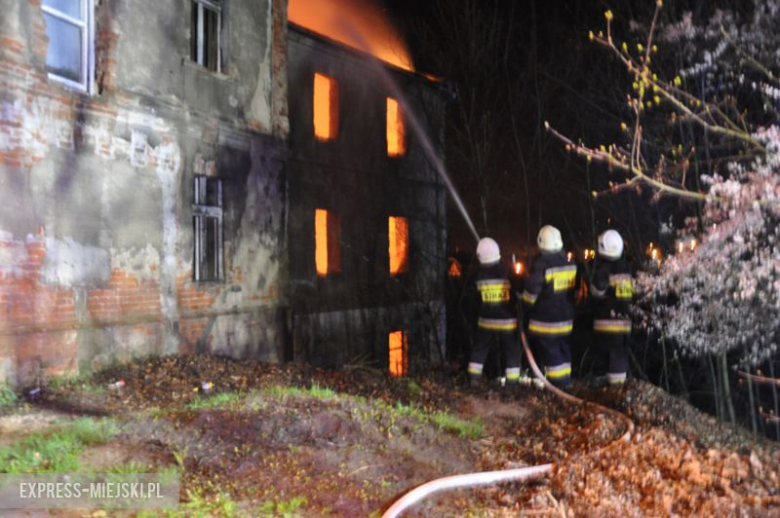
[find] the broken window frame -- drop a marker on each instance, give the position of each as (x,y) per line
(202,212)
(85,24)
(198,52)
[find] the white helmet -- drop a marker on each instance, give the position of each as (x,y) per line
(487,251)
(549,239)
(610,244)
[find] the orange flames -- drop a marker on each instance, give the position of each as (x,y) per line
(355,23)
(327,242)
(321,241)
(326,107)
(398,233)
(396,132)
(398,361)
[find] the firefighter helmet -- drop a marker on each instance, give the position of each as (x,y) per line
(610,244)
(487,251)
(549,239)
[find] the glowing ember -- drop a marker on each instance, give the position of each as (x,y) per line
(354,23)
(396,132)
(398,353)
(455,268)
(326,107)
(398,233)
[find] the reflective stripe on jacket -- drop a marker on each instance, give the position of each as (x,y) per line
(496,297)
(549,289)
(550,328)
(613,291)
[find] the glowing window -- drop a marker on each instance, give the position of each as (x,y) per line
(398,234)
(326,107)
(396,132)
(327,239)
(398,353)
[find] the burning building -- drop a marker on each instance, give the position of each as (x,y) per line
(167,189)
(371,281)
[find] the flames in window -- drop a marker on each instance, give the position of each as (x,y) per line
(326,107)
(396,133)
(398,233)
(356,23)
(327,240)
(398,353)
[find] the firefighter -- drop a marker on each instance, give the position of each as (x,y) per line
(613,290)
(549,297)
(497,314)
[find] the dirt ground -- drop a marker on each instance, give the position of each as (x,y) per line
(293,440)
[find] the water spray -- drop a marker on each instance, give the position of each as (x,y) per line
(414,122)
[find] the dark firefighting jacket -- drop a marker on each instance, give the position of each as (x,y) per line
(496,298)
(612,290)
(549,293)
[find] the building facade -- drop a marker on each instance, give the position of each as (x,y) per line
(156,197)
(367,171)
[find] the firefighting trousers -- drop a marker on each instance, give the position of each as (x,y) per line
(556,356)
(508,341)
(617,345)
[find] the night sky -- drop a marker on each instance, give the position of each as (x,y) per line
(513,66)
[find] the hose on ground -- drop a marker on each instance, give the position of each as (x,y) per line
(509,475)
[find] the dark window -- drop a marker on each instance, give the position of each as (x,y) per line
(206,29)
(207,229)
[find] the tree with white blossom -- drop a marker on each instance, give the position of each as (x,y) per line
(706,131)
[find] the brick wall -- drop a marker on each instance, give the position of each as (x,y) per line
(109,176)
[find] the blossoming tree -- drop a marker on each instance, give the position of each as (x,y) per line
(706,130)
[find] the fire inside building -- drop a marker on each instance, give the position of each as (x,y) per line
(204,176)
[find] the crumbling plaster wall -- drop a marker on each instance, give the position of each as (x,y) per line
(96,221)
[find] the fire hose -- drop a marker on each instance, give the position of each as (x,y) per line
(509,475)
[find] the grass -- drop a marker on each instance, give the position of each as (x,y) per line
(202,506)
(315,391)
(284,508)
(215,401)
(74,382)
(414,387)
(65,381)
(464,428)
(57,451)
(7,396)
(472,428)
